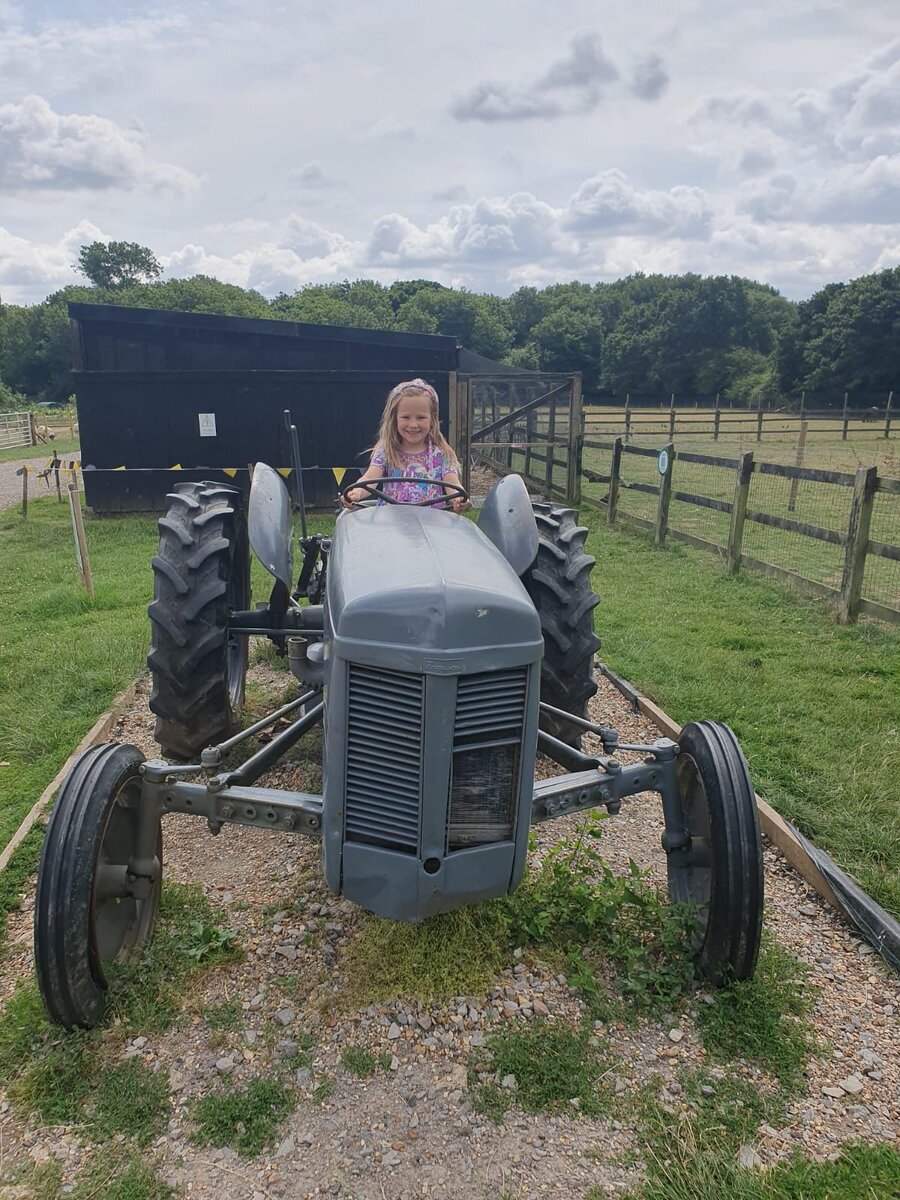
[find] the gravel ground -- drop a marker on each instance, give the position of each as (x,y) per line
(11,483)
(410,1131)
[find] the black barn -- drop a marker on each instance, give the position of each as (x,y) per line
(158,390)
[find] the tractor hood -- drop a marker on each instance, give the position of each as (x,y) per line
(423,579)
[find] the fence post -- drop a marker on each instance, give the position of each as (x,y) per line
(802,403)
(739,511)
(24,492)
(857,543)
(759,419)
(665,495)
(573,467)
(81,553)
(466,395)
(614,472)
(844,417)
(717,417)
(887,416)
(795,482)
(672,417)
(627,416)
(529,438)
(551,447)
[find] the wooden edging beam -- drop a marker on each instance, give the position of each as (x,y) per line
(773,825)
(96,734)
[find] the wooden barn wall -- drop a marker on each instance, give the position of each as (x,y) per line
(149,419)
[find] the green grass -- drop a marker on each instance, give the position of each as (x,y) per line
(455,954)
(224,1017)
(130,1099)
(112,1173)
(15,880)
(362,1062)
(119,1174)
(64,447)
(694,1155)
(62,658)
(552,1065)
(763,1020)
(815,705)
(247,1119)
(66,1077)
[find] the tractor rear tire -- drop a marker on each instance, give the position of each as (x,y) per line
(559,584)
(200,575)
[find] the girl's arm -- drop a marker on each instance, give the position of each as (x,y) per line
(373,471)
(377,469)
(457,503)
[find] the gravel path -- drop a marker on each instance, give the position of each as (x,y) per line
(11,483)
(409,1131)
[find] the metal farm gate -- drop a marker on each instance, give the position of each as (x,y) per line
(529,423)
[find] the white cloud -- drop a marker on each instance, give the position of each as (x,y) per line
(610,203)
(29,267)
(44,150)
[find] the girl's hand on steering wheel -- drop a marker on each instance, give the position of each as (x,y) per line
(350,498)
(459,503)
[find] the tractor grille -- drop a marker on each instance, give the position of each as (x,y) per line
(384,758)
(487,736)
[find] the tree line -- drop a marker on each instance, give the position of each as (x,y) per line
(652,334)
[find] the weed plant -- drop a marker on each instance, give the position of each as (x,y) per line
(578,907)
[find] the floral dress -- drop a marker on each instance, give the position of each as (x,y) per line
(430,463)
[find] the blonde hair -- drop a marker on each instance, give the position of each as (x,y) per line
(388,436)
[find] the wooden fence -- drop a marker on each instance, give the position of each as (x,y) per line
(15,429)
(751,513)
(680,418)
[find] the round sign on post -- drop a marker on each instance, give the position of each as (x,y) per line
(662,461)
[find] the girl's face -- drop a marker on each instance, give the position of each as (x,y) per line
(413,417)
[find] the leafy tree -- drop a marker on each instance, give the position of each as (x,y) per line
(116,265)
(569,340)
(478,321)
(853,335)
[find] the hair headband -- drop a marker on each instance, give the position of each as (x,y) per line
(413,385)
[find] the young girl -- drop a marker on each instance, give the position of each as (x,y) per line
(410,445)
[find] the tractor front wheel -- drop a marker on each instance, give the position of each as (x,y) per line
(559,584)
(200,575)
(719,873)
(90,909)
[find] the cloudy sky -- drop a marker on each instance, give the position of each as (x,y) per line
(488,143)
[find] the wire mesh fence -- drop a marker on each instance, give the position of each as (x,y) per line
(795,522)
(881,581)
(525,425)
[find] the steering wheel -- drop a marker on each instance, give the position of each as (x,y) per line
(373,488)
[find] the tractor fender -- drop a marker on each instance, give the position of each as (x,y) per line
(270,524)
(507,519)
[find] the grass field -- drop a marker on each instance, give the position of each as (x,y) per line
(65,447)
(62,658)
(825,505)
(816,705)
(865,444)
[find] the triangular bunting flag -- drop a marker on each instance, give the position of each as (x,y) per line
(230,471)
(338,473)
(285,471)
